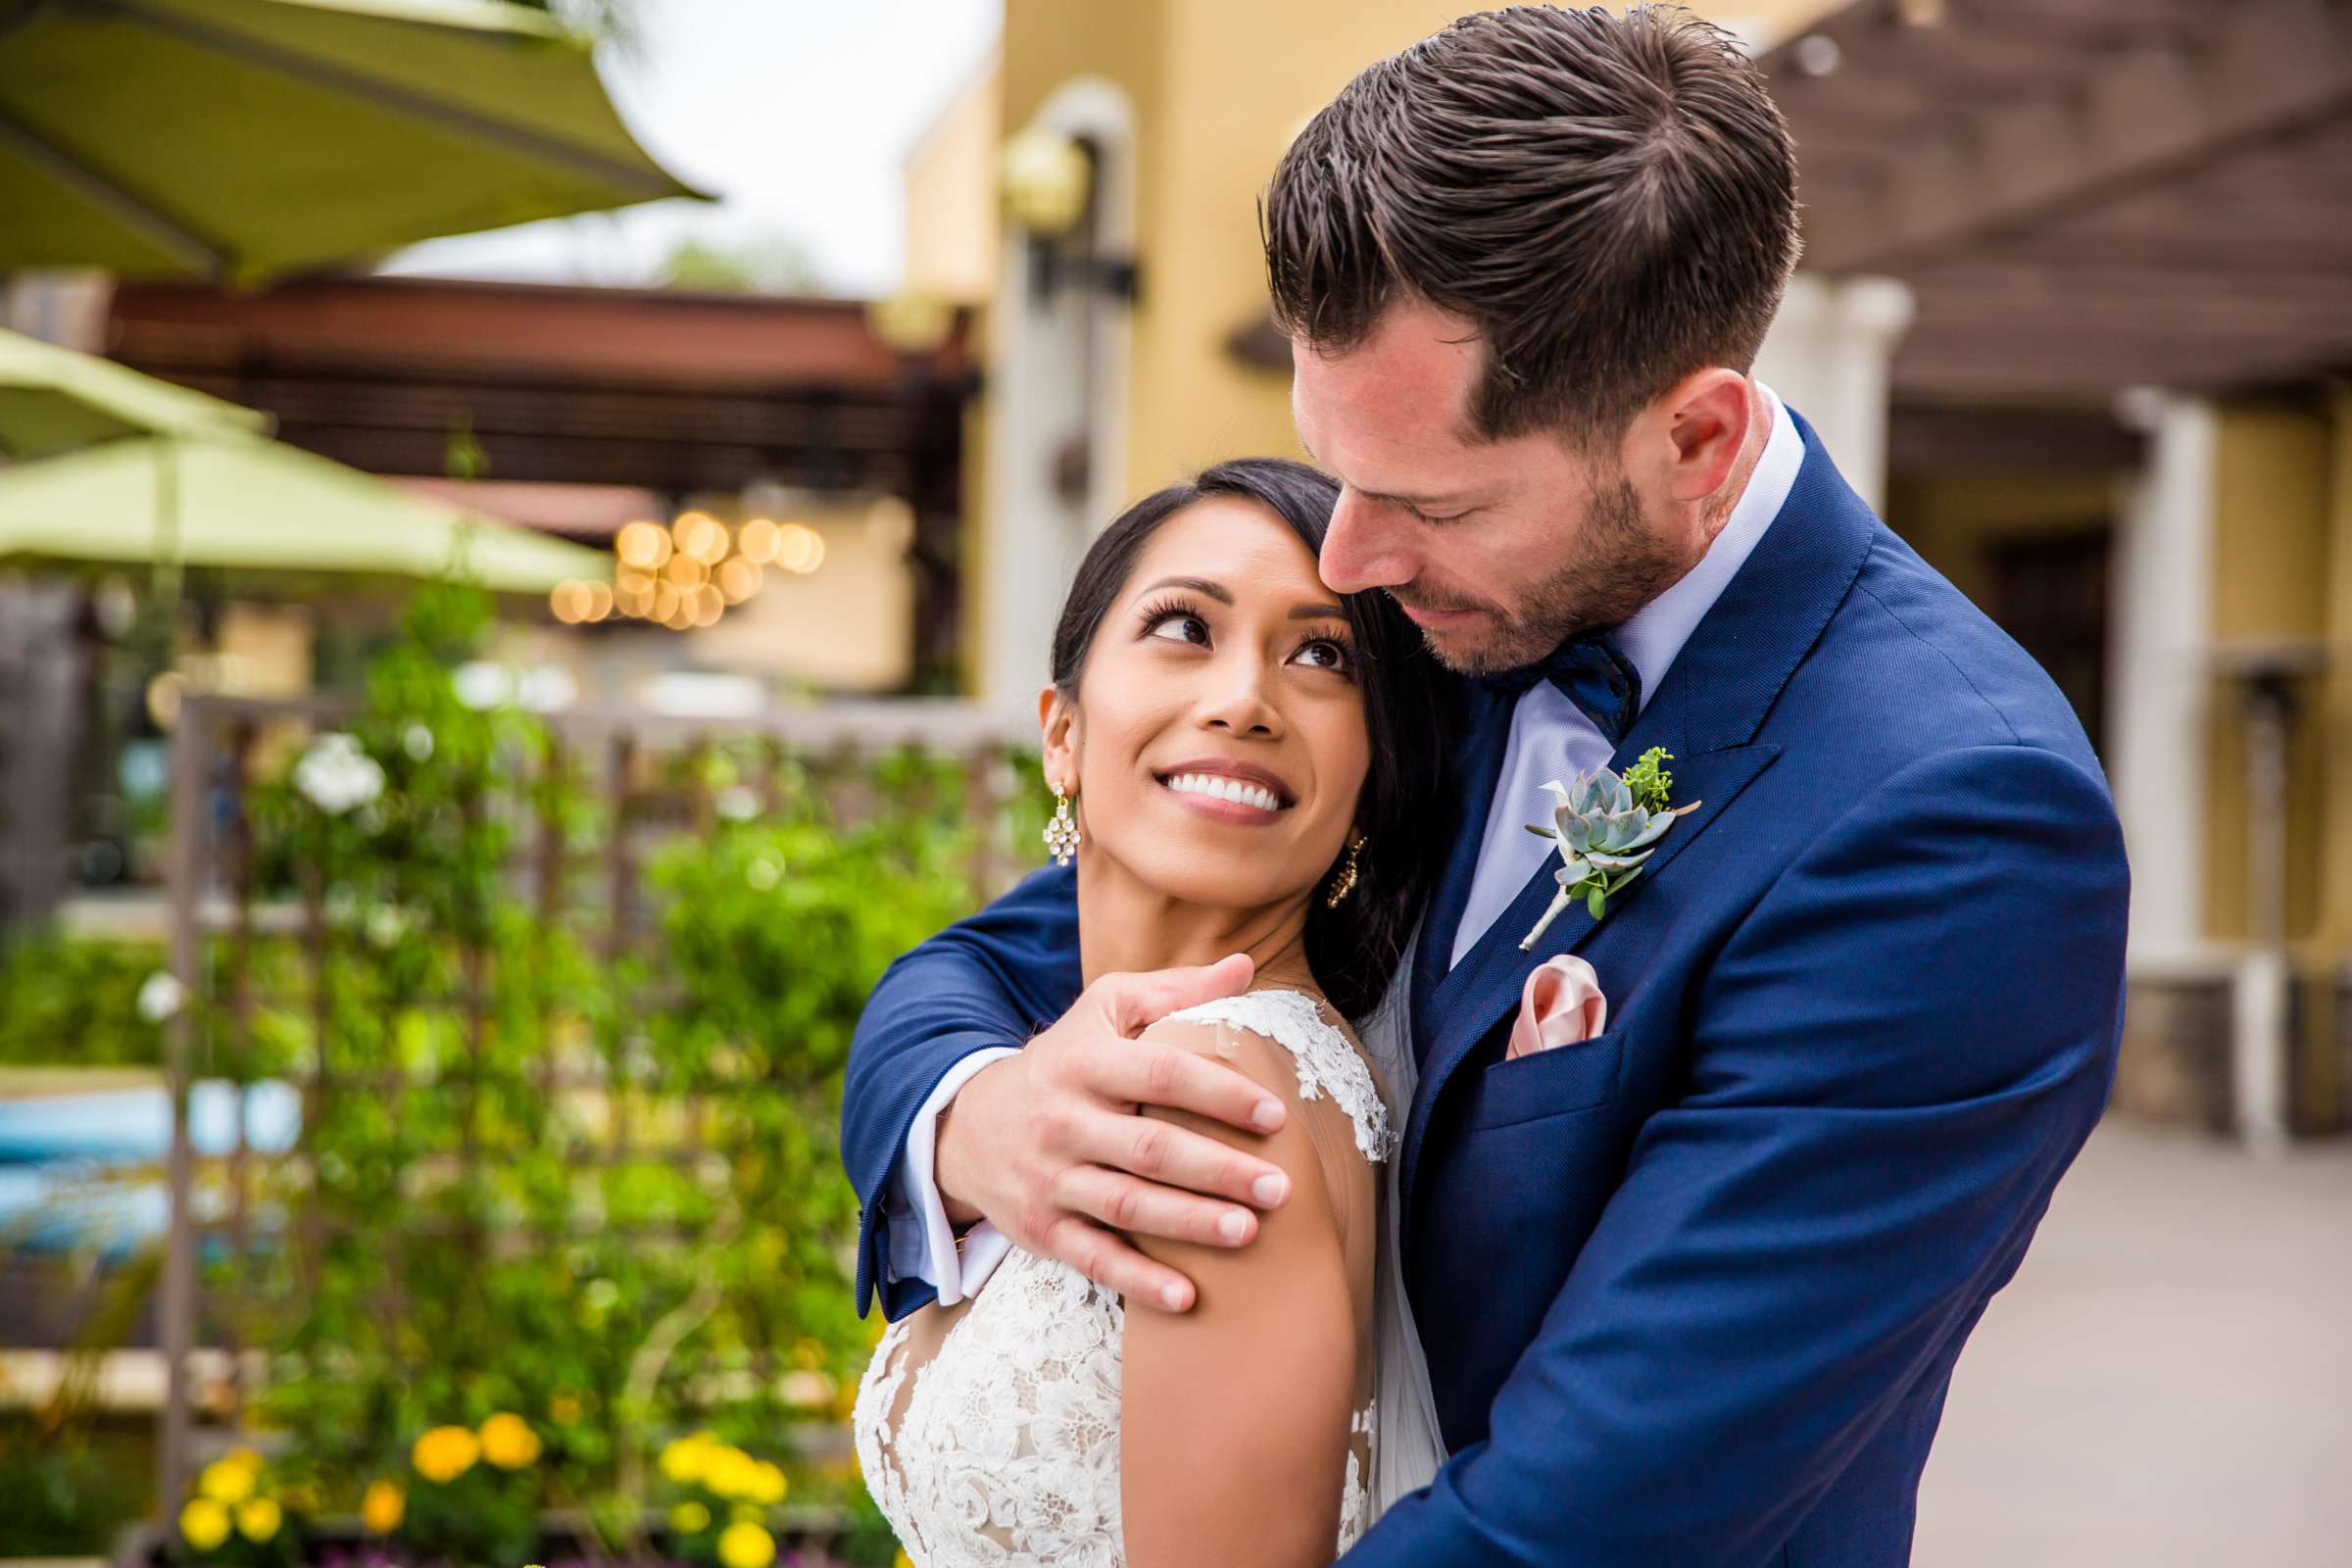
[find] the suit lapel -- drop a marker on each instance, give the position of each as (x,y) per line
(1486,735)
(1708,713)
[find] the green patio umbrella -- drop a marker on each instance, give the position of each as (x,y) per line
(53,400)
(226,498)
(233,139)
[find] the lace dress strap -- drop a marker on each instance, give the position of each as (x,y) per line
(1326,1062)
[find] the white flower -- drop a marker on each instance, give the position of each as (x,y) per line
(737,803)
(161,997)
(386,924)
(336,773)
(418,741)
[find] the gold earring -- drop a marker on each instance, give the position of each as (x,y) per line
(1344,883)
(1062,834)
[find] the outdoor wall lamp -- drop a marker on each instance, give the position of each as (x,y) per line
(1047,184)
(1048,180)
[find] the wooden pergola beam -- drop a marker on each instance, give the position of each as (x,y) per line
(2137,113)
(2286,210)
(653,390)
(2095,21)
(2023,369)
(1954,56)
(1922,436)
(2154,301)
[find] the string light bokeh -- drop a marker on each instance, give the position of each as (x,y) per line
(687,575)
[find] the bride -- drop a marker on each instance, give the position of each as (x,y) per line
(1249,763)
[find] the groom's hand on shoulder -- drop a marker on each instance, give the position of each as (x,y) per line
(1050,1147)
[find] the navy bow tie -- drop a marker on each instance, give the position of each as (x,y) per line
(1599,680)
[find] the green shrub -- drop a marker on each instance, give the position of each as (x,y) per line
(592,1183)
(70,1493)
(75,1002)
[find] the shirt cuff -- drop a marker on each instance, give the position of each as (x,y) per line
(922,1244)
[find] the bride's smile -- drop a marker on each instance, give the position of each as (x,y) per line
(1228,792)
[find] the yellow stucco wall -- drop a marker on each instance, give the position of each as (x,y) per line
(950,194)
(1955,520)
(2269,584)
(2332,739)
(2332,723)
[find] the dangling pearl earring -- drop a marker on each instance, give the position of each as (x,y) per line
(1062,834)
(1344,883)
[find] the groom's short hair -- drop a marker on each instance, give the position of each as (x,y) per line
(1611,202)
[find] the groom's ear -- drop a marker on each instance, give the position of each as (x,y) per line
(1691,438)
(1058,737)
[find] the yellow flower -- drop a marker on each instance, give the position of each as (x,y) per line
(258,1520)
(768,1485)
(730,1472)
(445,1454)
(564,1409)
(746,1545)
(683,1460)
(508,1442)
(689,1518)
(230,1478)
(203,1523)
(381,1506)
(901,1561)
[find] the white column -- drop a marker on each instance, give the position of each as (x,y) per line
(1058,368)
(2159,672)
(1828,355)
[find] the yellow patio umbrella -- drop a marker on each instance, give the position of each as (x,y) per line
(223,498)
(233,139)
(53,400)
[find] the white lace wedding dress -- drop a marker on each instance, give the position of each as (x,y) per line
(1002,1447)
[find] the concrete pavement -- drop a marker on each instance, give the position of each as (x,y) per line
(2168,1381)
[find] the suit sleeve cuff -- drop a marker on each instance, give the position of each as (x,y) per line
(922,1244)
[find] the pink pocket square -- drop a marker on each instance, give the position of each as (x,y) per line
(1560,1004)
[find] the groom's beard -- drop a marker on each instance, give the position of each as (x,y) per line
(1621,565)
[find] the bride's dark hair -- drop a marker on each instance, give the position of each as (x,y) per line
(1353,948)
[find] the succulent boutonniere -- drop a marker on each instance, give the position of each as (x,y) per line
(1605,827)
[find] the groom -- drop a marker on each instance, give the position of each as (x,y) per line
(1691,1291)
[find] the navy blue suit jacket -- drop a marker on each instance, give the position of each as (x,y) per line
(1692,1291)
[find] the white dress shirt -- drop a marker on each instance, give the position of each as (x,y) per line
(1550,739)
